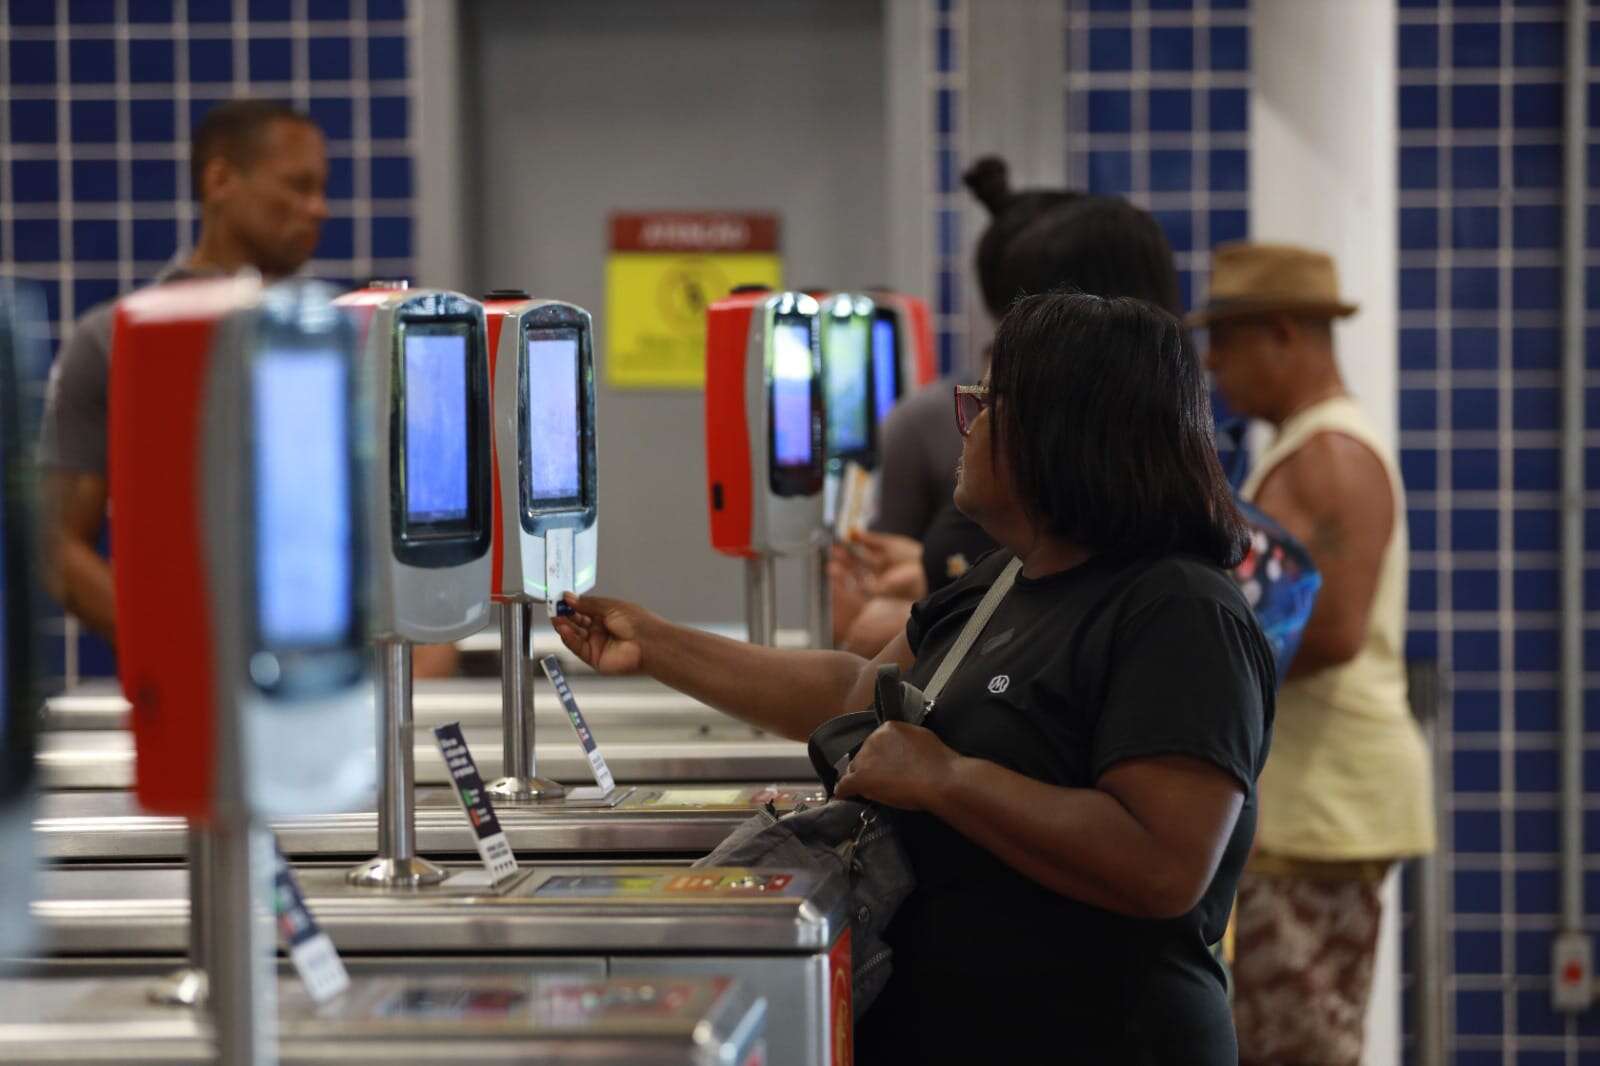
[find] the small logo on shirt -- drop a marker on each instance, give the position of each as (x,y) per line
(999,683)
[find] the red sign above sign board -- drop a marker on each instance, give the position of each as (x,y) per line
(694,231)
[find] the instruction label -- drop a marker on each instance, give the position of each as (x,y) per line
(664,269)
(311,952)
(597,762)
(558,568)
(493,847)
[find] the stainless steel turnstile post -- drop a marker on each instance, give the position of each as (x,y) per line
(397,864)
(244,986)
(521,783)
(819,593)
(761,599)
(188,985)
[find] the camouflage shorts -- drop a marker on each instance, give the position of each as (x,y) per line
(1302,968)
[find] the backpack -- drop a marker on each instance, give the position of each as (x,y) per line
(1277,576)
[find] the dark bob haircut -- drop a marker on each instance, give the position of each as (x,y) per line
(1102,414)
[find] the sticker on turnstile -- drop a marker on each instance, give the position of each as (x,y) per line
(493,847)
(558,568)
(315,958)
(597,762)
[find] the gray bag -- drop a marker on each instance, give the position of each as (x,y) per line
(850,837)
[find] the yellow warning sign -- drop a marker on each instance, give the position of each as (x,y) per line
(663,272)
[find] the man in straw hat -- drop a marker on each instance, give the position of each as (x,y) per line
(1346,789)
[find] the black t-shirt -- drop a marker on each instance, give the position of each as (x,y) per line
(1078,671)
(951,544)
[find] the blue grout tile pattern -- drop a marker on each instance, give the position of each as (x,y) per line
(97,99)
(1480,227)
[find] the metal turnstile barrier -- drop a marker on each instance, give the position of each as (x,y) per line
(784,934)
(672,820)
(639,1021)
(86,759)
(618,709)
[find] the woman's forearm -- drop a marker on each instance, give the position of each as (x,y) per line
(788,692)
(1080,842)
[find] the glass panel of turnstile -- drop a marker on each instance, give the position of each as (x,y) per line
(20,318)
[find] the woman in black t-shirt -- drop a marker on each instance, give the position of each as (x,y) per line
(1081,800)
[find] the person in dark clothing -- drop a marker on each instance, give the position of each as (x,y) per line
(1036,241)
(1081,800)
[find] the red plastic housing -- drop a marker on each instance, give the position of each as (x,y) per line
(162,343)
(728,459)
(926,365)
(495,313)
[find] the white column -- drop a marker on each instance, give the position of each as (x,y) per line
(908,124)
(1322,165)
(1011,74)
(438,141)
(1017,89)
(1322,174)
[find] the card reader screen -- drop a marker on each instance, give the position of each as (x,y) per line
(553,464)
(791,393)
(885,366)
(436,420)
(304,588)
(845,359)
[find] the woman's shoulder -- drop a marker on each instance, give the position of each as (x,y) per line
(962,593)
(1183,576)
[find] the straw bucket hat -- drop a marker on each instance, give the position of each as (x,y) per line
(1256,279)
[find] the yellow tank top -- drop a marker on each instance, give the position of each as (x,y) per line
(1349,774)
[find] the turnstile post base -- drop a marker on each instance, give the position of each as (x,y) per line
(525,789)
(415,872)
(187,987)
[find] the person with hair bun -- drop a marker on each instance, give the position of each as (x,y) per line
(1037,240)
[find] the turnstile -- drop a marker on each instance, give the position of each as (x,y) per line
(619,709)
(672,821)
(704,773)
(93,759)
(648,732)
(638,1021)
(785,934)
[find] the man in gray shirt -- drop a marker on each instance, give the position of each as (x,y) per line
(259,170)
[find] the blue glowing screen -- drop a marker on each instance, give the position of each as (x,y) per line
(791,393)
(555,445)
(436,424)
(847,377)
(303,515)
(885,367)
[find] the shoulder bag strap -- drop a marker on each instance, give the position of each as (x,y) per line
(974,627)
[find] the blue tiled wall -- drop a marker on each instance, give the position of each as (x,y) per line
(1480,230)
(1158,110)
(946,82)
(99,97)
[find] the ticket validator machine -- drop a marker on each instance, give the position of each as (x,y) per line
(541,367)
(765,450)
(240,573)
(19,701)
(903,359)
(850,376)
(426,364)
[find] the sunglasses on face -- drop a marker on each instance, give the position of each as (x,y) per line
(970,402)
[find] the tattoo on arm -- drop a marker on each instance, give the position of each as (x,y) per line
(1328,538)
